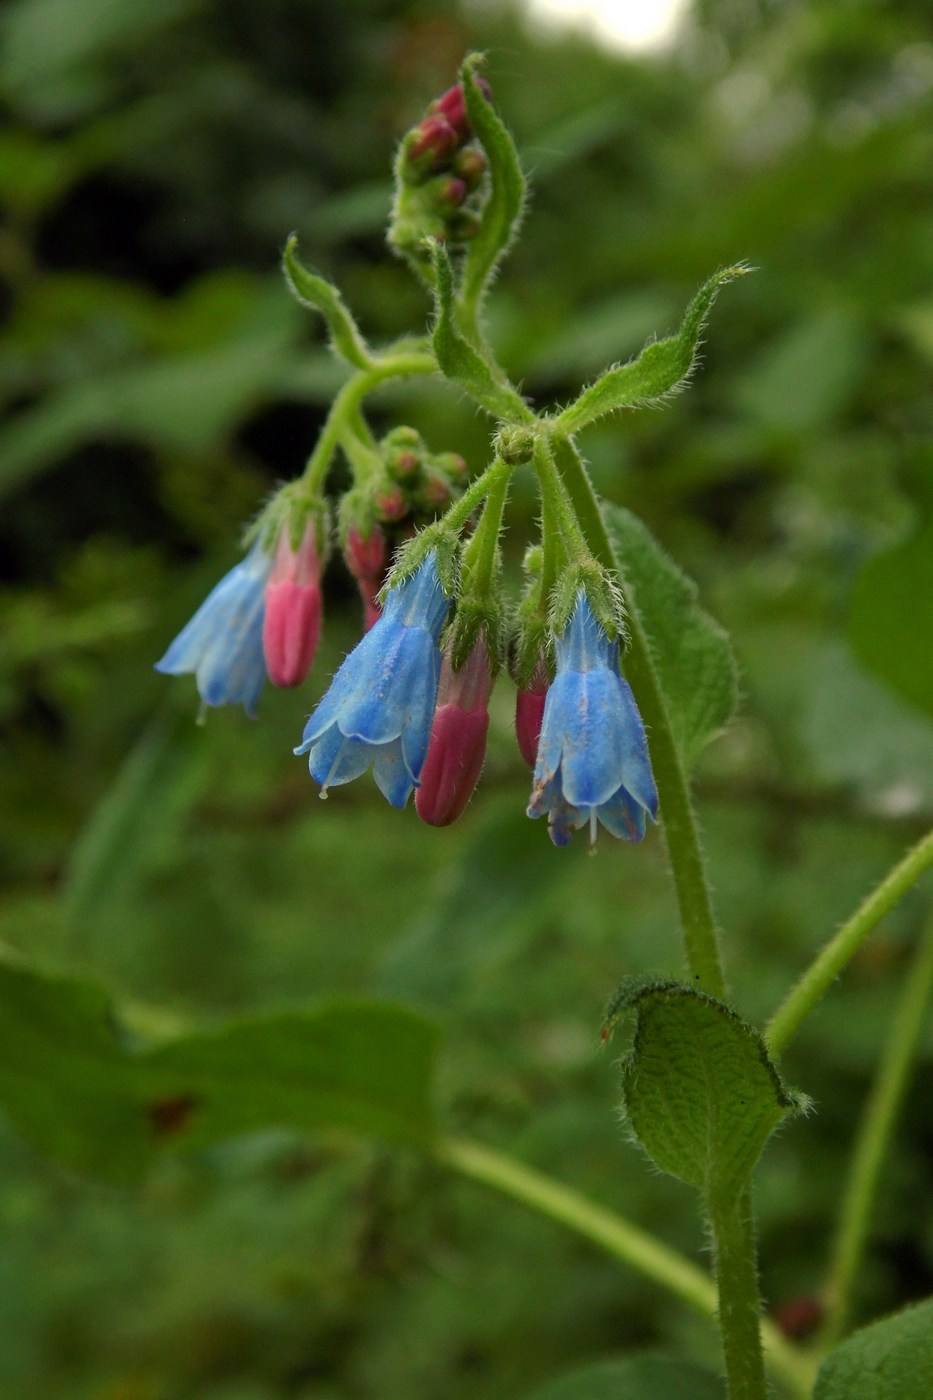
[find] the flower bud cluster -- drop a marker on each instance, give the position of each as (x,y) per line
(411,485)
(438,169)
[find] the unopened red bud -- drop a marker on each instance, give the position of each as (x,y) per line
(367,556)
(391,503)
(452,106)
(529,712)
(457,746)
(448,194)
(429,146)
(292,618)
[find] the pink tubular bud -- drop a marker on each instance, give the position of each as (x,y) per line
(458,739)
(291,625)
(367,556)
(529,712)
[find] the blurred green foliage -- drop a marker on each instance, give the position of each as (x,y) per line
(157,380)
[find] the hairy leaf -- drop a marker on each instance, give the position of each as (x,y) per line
(503,210)
(460,361)
(320,295)
(890,1360)
(662,366)
(701,1095)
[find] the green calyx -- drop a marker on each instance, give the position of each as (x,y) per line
(292,508)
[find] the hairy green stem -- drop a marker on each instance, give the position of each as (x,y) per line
(681,831)
(481,554)
(735,1263)
(844,944)
(344,411)
(872,1138)
(611,1232)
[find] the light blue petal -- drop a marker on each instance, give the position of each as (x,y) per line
(393,695)
(558,704)
(623,816)
(222,643)
(544,796)
(421,703)
(391,773)
(233,668)
(563,820)
(334,759)
(419,600)
(584,645)
(595,734)
(636,764)
(354,679)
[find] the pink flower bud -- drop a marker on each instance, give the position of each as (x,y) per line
(458,739)
(449,194)
(391,503)
(452,107)
(367,556)
(429,144)
(529,712)
(292,623)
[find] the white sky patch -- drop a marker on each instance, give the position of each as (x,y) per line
(630,26)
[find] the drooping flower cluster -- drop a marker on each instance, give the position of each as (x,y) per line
(263,618)
(422,544)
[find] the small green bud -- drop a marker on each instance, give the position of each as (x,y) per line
(515,444)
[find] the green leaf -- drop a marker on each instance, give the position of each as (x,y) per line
(503,210)
(634,1378)
(892,618)
(322,296)
(75,1083)
(662,367)
(890,1360)
(460,361)
(701,1095)
(694,660)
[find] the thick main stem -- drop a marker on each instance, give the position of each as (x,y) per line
(681,832)
(874,1134)
(844,944)
(736,1270)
